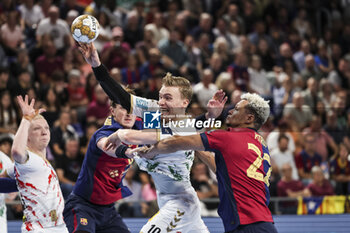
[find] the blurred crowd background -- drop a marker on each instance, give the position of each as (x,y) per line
(293,53)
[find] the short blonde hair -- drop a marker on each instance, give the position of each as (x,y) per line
(258,107)
(182,83)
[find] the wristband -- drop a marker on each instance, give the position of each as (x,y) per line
(31,117)
(120,152)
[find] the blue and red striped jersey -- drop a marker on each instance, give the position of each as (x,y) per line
(243,169)
(100,178)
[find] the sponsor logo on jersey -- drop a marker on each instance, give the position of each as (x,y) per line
(83,221)
(140,103)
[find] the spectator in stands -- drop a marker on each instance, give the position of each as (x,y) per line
(285,53)
(11,34)
(310,70)
(297,111)
(310,94)
(62,131)
(157,28)
(319,185)
(205,89)
(299,57)
(323,59)
(340,76)
(68,166)
(68,5)
(266,55)
(221,47)
(239,71)
(131,74)
(56,27)
(52,107)
(322,139)
(205,186)
(307,158)
(48,63)
(281,156)
(8,114)
(326,93)
(340,171)
(174,53)
(153,65)
(99,109)
(115,53)
(23,83)
(132,31)
(105,31)
(76,92)
(132,206)
(205,26)
(331,127)
(233,14)
(31,13)
(289,187)
(258,81)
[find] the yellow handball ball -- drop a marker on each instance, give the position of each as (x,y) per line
(85,28)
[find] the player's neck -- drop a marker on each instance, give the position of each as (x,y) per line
(40,152)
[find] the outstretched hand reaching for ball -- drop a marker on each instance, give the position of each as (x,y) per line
(90,54)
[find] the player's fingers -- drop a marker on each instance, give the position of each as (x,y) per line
(32,102)
(26,99)
(224,101)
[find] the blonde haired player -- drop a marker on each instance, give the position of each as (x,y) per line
(37,181)
(178,202)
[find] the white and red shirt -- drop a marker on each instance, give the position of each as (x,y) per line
(40,193)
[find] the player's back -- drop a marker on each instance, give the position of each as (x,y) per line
(243,170)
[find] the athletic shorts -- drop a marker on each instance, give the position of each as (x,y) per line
(261,227)
(177,213)
(81,215)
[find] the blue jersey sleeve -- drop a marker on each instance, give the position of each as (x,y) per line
(8,185)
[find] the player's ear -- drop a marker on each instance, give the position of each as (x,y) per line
(185,102)
(250,119)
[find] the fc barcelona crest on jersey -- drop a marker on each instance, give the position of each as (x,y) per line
(83,221)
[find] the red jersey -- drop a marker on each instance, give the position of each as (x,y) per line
(243,169)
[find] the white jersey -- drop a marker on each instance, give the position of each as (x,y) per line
(5,165)
(40,193)
(177,165)
(177,200)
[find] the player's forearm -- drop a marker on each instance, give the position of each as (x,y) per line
(19,145)
(112,88)
(207,158)
(137,137)
(176,143)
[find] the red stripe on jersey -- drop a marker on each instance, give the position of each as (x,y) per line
(74,221)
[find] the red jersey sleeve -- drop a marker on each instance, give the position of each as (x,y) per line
(212,140)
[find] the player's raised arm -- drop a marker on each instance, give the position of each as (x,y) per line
(208,158)
(172,144)
(20,140)
(112,88)
(215,107)
(133,104)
